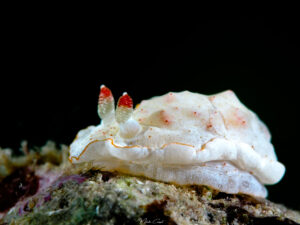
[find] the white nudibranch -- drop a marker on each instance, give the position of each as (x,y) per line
(184,138)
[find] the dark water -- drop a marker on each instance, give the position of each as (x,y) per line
(52,71)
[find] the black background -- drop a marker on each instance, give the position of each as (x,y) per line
(52,68)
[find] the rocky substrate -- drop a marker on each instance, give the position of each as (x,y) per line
(46,189)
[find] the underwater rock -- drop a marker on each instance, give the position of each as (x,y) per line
(82,194)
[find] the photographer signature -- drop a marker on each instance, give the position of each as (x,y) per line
(152,221)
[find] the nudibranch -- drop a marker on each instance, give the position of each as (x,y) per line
(184,138)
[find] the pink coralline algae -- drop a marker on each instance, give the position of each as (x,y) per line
(62,180)
(50,182)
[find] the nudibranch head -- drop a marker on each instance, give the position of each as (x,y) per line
(184,138)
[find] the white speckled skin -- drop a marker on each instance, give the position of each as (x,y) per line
(187,138)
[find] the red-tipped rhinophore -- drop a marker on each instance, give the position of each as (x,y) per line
(125,101)
(106,102)
(105,94)
(124,108)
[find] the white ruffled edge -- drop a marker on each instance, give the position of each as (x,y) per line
(268,171)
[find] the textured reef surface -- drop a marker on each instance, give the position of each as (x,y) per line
(42,187)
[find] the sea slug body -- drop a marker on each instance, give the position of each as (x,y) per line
(184,138)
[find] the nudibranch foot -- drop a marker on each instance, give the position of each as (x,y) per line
(219,175)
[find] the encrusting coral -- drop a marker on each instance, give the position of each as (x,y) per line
(55,192)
